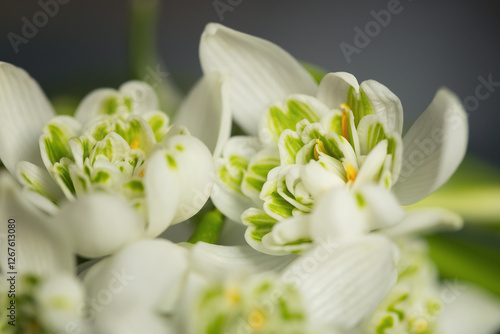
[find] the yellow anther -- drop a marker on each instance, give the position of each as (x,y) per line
(257,320)
(319,147)
(345,106)
(345,130)
(351,173)
(141,174)
(232,295)
(134,144)
(421,325)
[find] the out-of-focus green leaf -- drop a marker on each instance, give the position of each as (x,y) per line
(472,255)
(473,192)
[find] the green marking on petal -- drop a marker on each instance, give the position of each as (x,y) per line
(101,177)
(363,107)
(159,125)
(361,201)
(289,145)
(386,323)
(259,222)
(63,178)
(34,185)
(279,120)
(171,161)
(56,144)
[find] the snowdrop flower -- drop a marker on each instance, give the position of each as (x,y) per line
(307,140)
(38,281)
(414,305)
(125,172)
(237,289)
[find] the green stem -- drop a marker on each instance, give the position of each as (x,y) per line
(209,228)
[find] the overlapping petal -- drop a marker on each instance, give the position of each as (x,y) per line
(263,73)
(24,110)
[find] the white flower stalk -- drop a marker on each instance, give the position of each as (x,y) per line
(309,139)
(38,282)
(118,169)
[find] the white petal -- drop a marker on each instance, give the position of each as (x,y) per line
(91,104)
(433,148)
(318,180)
(334,87)
(338,216)
(195,172)
(100,224)
(385,104)
(219,262)
(135,289)
(286,233)
(342,283)
(263,73)
(42,247)
(37,181)
(24,110)
(370,169)
(163,189)
(427,220)
(143,96)
(469,309)
(206,111)
(382,207)
(230,203)
(60,299)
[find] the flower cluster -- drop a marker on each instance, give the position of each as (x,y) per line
(314,237)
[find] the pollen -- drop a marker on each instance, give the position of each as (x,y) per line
(141,174)
(319,147)
(351,173)
(257,320)
(134,144)
(232,295)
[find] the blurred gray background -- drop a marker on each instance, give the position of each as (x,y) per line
(427,44)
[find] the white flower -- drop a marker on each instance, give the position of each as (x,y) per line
(329,286)
(124,171)
(313,139)
(47,296)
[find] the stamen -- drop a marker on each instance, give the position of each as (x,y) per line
(257,320)
(351,173)
(319,147)
(232,295)
(134,144)
(345,131)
